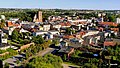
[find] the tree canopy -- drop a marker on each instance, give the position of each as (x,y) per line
(48,61)
(38,39)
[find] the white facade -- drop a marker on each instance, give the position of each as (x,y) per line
(39,33)
(4,40)
(46,27)
(107,34)
(22,30)
(57,26)
(118,20)
(90,33)
(53,32)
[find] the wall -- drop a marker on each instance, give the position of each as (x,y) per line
(26,46)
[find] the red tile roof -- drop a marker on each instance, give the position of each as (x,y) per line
(100,29)
(109,23)
(65,24)
(109,43)
(9,23)
(68,36)
(115,29)
(83,23)
(82,33)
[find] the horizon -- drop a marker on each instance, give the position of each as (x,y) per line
(58,8)
(62,4)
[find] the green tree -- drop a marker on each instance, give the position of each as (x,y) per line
(15,35)
(111,18)
(48,61)
(6,65)
(6,36)
(68,30)
(38,39)
(55,41)
(88,65)
(2,25)
(2,21)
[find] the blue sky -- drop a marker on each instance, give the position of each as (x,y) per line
(62,4)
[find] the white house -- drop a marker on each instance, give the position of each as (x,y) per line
(90,33)
(23,30)
(57,26)
(118,20)
(39,33)
(46,27)
(53,32)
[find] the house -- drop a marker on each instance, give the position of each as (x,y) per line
(89,32)
(23,31)
(56,26)
(81,33)
(46,27)
(66,50)
(14,19)
(65,25)
(40,28)
(63,44)
(54,32)
(39,33)
(68,37)
(28,26)
(107,34)
(3,40)
(80,40)
(8,30)
(91,40)
(48,36)
(12,24)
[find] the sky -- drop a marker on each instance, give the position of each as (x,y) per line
(62,4)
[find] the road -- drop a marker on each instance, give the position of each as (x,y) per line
(12,61)
(69,66)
